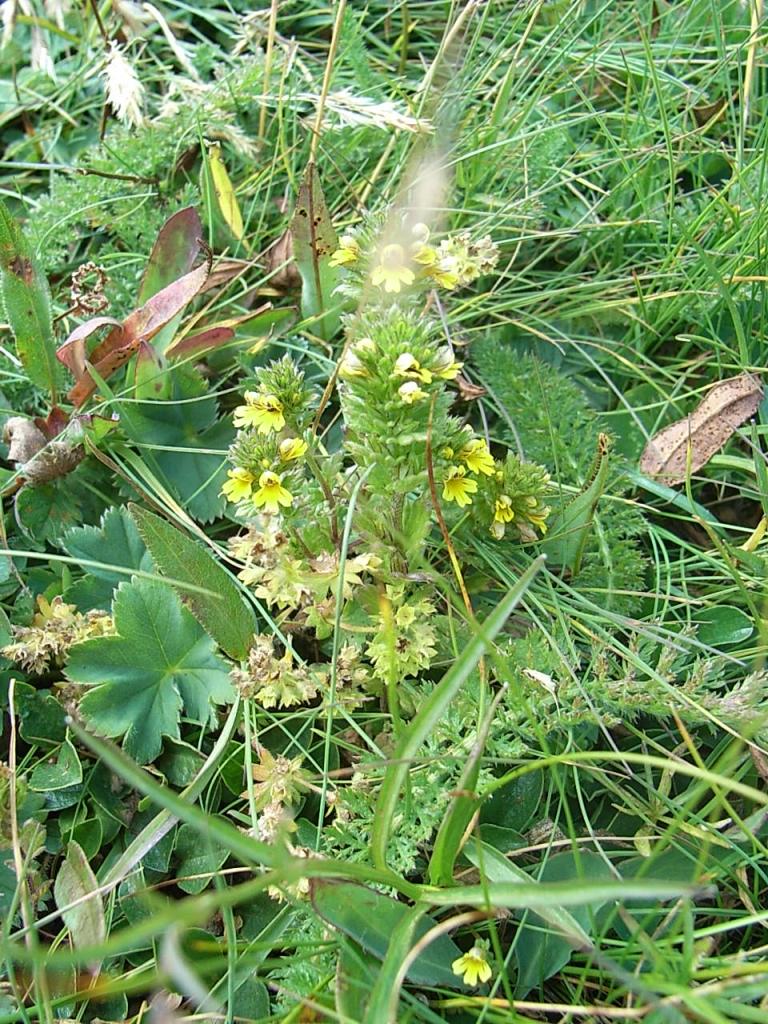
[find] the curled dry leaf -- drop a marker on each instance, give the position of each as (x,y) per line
(125,338)
(468,391)
(23,437)
(725,407)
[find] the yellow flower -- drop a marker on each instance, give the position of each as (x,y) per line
(445,365)
(426,255)
(351,366)
(502,510)
(392,272)
(477,457)
(407,365)
(420,251)
(347,253)
(503,513)
(265,412)
(292,448)
(538,519)
(410,392)
(239,485)
(445,272)
(458,487)
(271,493)
(473,967)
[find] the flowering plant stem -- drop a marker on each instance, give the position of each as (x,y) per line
(328,494)
(452,555)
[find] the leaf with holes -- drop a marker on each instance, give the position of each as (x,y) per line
(160,663)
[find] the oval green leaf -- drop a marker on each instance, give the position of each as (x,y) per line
(370,919)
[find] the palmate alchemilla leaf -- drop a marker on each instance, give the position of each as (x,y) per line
(161,665)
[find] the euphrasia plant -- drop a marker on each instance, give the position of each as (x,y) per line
(415,463)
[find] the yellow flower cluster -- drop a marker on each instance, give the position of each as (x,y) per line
(456,261)
(474,457)
(535,513)
(268,496)
(407,365)
(263,413)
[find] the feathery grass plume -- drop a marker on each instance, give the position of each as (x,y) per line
(40,56)
(353,111)
(125,93)
(8,16)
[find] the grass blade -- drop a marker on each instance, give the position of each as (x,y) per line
(432,710)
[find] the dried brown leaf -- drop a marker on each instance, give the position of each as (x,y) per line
(124,340)
(706,112)
(469,392)
(278,259)
(726,406)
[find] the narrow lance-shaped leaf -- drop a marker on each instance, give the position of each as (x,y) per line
(724,408)
(384,1000)
(225,192)
(494,867)
(27,303)
(258,325)
(569,530)
(370,918)
(226,618)
(314,241)
(173,255)
(75,893)
(356,973)
(463,805)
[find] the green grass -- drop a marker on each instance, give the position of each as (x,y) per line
(604,731)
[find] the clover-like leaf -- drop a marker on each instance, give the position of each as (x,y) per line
(160,664)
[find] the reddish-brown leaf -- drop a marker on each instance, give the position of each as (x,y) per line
(52,424)
(72,353)
(139,326)
(173,253)
(194,344)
